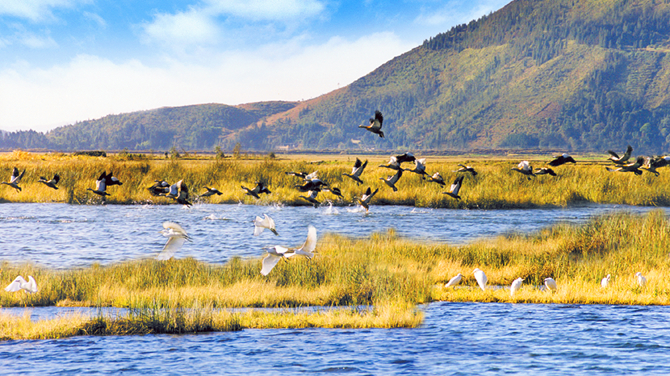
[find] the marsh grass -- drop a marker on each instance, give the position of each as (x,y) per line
(496,186)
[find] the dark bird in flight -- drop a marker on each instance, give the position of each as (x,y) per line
(407,157)
(455,187)
(630,167)
(50,183)
(366,198)
(211,192)
(111,180)
(100,186)
(375,124)
(391,180)
(545,171)
(437,178)
(160,188)
(357,171)
(179,192)
(623,159)
(464,168)
(258,189)
(525,168)
(15,179)
(561,159)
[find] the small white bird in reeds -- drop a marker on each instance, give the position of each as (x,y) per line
(641,280)
(276,253)
(176,237)
(19,283)
(261,224)
(454,281)
(605,281)
(550,284)
(481,278)
(516,285)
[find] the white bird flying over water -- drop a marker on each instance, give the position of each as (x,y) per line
(261,224)
(276,253)
(176,237)
(481,278)
(605,281)
(454,281)
(516,285)
(551,284)
(20,283)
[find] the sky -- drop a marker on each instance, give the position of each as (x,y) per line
(63,61)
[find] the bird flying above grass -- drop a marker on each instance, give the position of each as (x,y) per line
(15,179)
(276,253)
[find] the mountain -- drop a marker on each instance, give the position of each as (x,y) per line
(580,75)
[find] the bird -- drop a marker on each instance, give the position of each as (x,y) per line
(551,284)
(561,159)
(652,163)
(311,197)
(15,179)
(277,252)
(407,157)
(437,178)
(464,168)
(258,189)
(19,283)
(314,184)
(545,171)
(50,183)
(455,187)
(366,198)
(375,124)
(393,164)
(525,168)
(301,175)
(160,188)
(334,190)
(454,281)
(641,280)
(623,159)
(357,171)
(605,281)
(261,224)
(100,186)
(391,180)
(516,285)
(111,180)
(176,237)
(481,278)
(633,167)
(419,167)
(179,192)
(210,192)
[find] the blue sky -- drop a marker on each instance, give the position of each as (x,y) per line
(63,61)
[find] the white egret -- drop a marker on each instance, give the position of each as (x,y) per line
(454,281)
(605,281)
(481,278)
(641,280)
(551,284)
(516,285)
(20,283)
(278,252)
(261,224)
(176,237)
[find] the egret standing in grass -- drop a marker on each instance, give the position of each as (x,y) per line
(15,179)
(276,253)
(176,237)
(481,279)
(550,284)
(516,285)
(454,281)
(261,224)
(641,280)
(605,281)
(19,283)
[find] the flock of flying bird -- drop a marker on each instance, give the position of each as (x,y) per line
(311,184)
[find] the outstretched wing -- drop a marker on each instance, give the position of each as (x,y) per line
(173,245)
(15,285)
(269,263)
(31,286)
(456,185)
(310,243)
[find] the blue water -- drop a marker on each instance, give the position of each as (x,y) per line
(456,338)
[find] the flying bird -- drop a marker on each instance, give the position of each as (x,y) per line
(111,180)
(419,167)
(481,278)
(375,124)
(393,164)
(176,237)
(210,192)
(100,186)
(261,224)
(365,199)
(652,163)
(391,180)
(311,198)
(160,188)
(605,281)
(357,171)
(641,280)
(561,159)
(633,167)
(20,283)
(623,159)
(454,281)
(314,184)
(258,189)
(50,183)
(464,168)
(15,179)
(525,168)
(334,190)
(455,188)
(516,285)
(179,192)
(551,284)
(437,178)
(276,253)
(545,171)
(407,157)
(301,175)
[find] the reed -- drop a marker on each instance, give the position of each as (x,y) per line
(496,186)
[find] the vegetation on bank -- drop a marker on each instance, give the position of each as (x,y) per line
(496,185)
(384,271)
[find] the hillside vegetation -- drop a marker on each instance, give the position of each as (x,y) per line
(581,75)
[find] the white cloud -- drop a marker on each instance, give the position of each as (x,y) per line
(91,87)
(35,10)
(95,18)
(269,10)
(37,42)
(191,27)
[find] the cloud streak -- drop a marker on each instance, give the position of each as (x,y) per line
(35,10)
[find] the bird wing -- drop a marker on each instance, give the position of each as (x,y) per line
(310,244)
(15,285)
(32,285)
(175,228)
(357,164)
(312,176)
(173,245)
(100,185)
(269,263)
(456,185)
(626,155)
(613,154)
(56,179)
(259,225)
(15,175)
(396,177)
